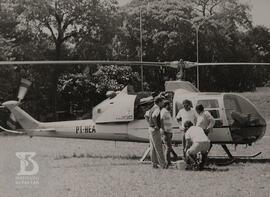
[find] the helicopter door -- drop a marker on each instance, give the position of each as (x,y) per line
(215,107)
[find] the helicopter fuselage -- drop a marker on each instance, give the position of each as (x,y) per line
(237,121)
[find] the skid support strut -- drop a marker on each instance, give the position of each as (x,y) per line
(225,148)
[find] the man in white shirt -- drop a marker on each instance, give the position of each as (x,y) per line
(186,114)
(153,118)
(204,119)
(166,131)
(196,141)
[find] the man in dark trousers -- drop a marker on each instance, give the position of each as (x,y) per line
(157,156)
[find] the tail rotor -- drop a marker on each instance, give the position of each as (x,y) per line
(25,84)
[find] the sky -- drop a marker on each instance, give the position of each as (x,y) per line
(260,11)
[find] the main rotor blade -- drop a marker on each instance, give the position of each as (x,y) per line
(172,64)
(233,64)
(70,62)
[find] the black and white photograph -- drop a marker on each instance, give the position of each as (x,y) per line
(134,98)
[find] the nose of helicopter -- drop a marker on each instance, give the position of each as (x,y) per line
(245,129)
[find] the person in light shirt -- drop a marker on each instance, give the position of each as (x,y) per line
(186,114)
(196,141)
(166,131)
(204,119)
(153,118)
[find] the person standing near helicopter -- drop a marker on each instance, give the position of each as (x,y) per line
(166,131)
(153,118)
(204,119)
(187,113)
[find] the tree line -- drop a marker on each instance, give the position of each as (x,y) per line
(102,30)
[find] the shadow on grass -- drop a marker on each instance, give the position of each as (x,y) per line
(238,160)
(210,169)
(252,161)
(87,155)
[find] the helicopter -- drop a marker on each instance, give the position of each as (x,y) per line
(121,116)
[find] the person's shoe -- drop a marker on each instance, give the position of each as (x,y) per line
(199,157)
(188,167)
(175,158)
(155,166)
(167,165)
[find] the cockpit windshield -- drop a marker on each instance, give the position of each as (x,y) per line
(237,108)
(245,122)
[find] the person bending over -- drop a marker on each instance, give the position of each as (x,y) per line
(196,141)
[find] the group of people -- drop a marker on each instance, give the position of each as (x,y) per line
(196,126)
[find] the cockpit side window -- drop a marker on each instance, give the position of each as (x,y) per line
(231,106)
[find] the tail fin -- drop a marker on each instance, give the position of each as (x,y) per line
(25,120)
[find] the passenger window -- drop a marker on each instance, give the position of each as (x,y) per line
(212,103)
(212,106)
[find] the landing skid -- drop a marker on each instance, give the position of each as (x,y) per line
(233,159)
(247,156)
(239,156)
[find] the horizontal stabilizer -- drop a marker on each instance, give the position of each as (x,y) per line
(11,131)
(41,130)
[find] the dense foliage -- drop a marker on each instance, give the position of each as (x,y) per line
(101,30)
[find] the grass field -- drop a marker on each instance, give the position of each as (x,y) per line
(69,167)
